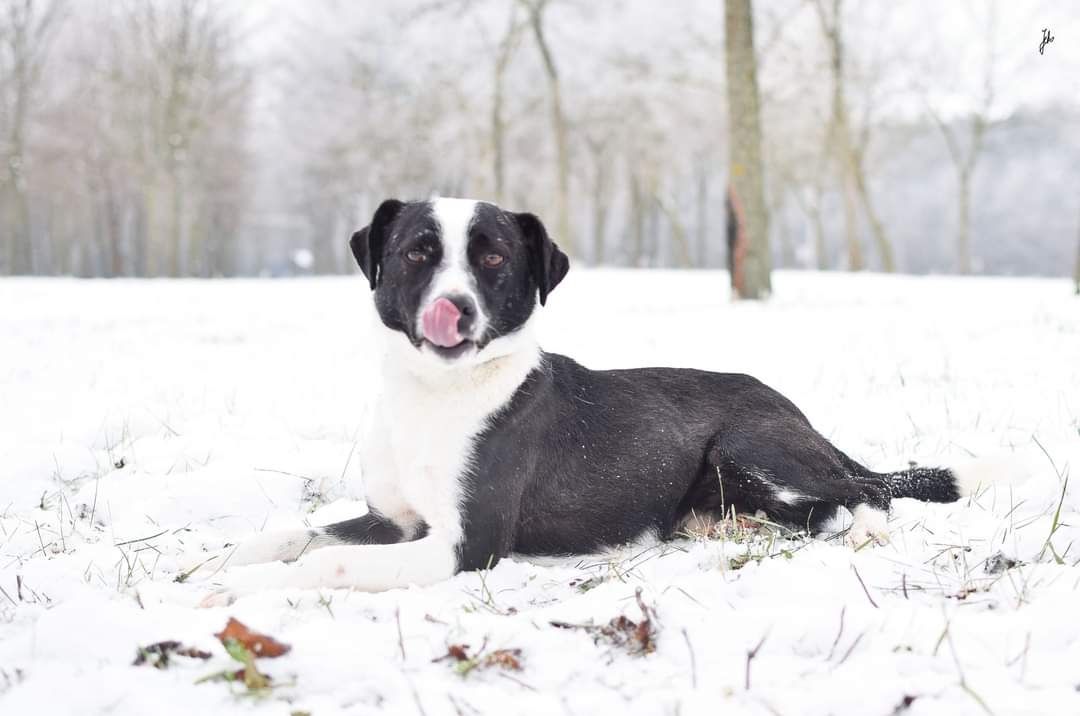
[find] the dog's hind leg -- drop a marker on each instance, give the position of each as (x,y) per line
(801,481)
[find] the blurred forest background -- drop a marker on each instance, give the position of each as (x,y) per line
(231,137)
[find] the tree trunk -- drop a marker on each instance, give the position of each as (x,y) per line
(680,246)
(558,125)
(752,263)
(881,240)
(963,223)
(851,226)
(176,213)
(600,197)
(702,218)
(503,55)
(1076,268)
(637,221)
(847,154)
(819,241)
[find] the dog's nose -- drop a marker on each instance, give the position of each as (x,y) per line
(467,307)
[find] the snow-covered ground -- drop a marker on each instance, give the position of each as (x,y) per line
(144,424)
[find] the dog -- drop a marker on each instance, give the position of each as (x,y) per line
(482,445)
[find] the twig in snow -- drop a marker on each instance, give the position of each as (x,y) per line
(867,591)
(947,636)
(283,472)
(345,469)
(850,649)
(839,633)
(750,657)
(517,681)
(141,539)
(400,638)
(693,659)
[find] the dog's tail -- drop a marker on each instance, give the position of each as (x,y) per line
(948,484)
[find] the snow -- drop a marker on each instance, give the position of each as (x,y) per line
(233,407)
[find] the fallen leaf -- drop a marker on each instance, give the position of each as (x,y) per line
(157,654)
(508,659)
(260,645)
(505,658)
(621,631)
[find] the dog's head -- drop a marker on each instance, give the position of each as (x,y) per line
(457,276)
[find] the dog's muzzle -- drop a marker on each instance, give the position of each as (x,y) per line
(448,322)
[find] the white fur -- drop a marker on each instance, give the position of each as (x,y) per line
(365,567)
(788,496)
(869,525)
(781,494)
(420,441)
(453,275)
(283,546)
(416,453)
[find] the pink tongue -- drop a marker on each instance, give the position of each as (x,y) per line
(440,322)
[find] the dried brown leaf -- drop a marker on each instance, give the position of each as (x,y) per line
(260,645)
(509,659)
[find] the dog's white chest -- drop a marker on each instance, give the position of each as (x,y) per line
(419,446)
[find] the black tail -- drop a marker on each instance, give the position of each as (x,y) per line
(929,484)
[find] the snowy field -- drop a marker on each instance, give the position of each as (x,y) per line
(145,424)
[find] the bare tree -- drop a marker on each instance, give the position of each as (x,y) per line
(195,93)
(536,9)
(751,262)
(1076,268)
(135,150)
(26,32)
(965,154)
(848,150)
(599,152)
(503,54)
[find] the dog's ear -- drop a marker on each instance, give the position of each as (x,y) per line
(367,244)
(546,261)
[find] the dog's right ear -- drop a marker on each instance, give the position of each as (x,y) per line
(367,244)
(546,260)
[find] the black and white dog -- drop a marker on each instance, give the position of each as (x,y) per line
(482,445)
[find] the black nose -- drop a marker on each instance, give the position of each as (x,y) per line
(467,306)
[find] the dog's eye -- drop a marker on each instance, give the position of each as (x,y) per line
(416,256)
(493,260)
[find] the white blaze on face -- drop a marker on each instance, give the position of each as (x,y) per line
(453,276)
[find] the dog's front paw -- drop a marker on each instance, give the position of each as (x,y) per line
(241,581)
(869,526)
(266,547)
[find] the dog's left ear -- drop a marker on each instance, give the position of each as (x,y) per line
(546,261)
(367,244)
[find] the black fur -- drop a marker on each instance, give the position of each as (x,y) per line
(583,459)
(372,528)
(367,244)
(534,264)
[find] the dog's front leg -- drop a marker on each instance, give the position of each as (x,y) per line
(370,568)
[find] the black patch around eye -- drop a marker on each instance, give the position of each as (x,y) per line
(428,245)
(493,260)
